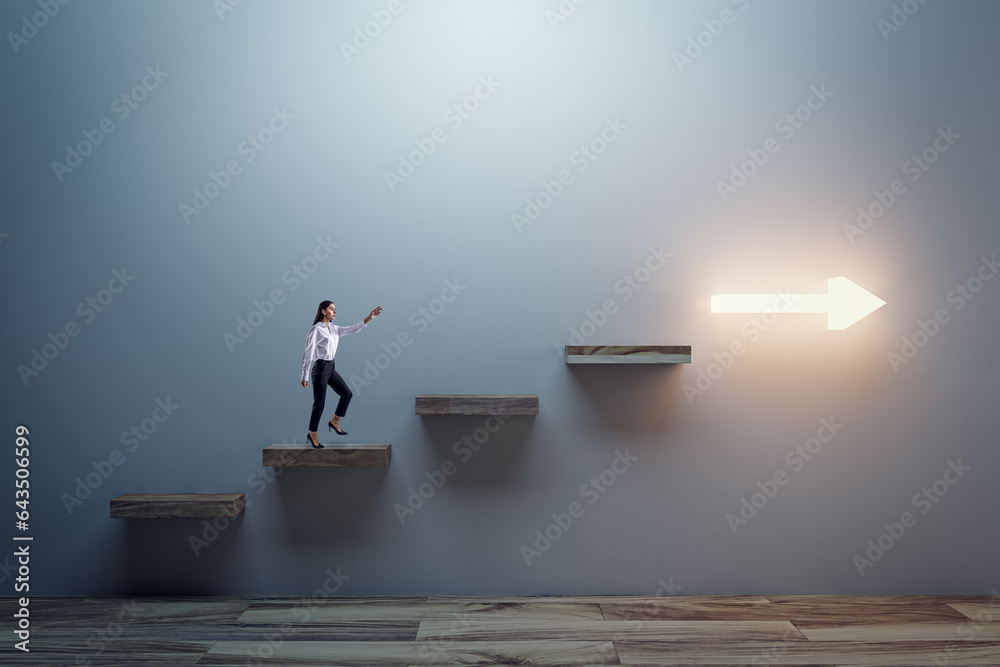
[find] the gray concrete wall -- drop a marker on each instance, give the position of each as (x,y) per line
(608,167)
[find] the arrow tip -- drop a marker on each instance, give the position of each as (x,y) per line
(849,302)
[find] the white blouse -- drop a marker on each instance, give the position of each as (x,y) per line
(321,343)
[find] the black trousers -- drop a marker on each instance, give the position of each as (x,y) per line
(323,374)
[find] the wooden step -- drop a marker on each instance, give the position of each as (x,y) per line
(477,404)
(177,505)
(628,354)
(305,455)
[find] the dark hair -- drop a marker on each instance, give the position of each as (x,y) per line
(323,305)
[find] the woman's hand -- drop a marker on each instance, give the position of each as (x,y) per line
(375,313)
(305,383)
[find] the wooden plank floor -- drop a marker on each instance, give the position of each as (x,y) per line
(821,631)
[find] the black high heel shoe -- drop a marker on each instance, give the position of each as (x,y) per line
(336,428)
(315,444)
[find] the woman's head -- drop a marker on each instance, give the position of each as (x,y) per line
(325,307)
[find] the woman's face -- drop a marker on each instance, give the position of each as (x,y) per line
(330,312)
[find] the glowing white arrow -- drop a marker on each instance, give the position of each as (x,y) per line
(845,303)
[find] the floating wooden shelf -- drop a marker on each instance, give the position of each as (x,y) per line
(177,505)
(295,455)
(628,354)
(477,404)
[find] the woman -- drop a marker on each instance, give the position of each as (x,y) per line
(321,345)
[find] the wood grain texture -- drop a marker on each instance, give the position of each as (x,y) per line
(107,653)
(640,600)
(291,628)
(819,631)
(980,612)
(477,404)
(305,455)
(289,601)
(881,599)
(528,611)
(840,611)
(510,630)
(892,632)
(628,354)
(417,653)
(177,505)
(70,613)
(913,654)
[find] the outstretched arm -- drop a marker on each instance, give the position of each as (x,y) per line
(354,328)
